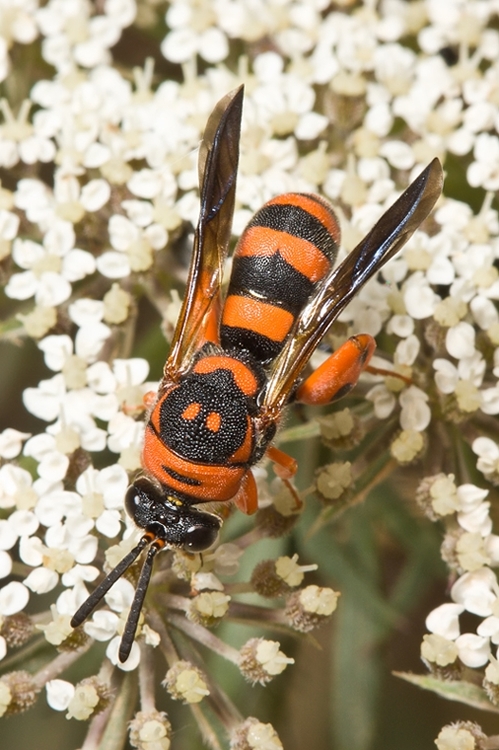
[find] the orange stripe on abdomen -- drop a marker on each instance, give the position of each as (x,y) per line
(303,256)
(259,317)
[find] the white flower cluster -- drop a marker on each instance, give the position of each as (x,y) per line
(475,549)
(450,109)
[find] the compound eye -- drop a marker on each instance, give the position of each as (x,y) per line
(199,538)
(132,499)
(142,500)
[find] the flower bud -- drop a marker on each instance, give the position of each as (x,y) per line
(150,730)
(261,660)
(186,683)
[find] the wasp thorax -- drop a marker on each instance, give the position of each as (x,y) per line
(205,417)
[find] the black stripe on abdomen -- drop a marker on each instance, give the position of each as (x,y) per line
(270,278)
(297,222)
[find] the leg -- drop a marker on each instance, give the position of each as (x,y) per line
(284,466)
(339,373)
(149,399)
(247,496)
(388,374)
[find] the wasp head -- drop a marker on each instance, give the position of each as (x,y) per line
(168,518)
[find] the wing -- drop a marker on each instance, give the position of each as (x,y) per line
(384,240)
(218,160)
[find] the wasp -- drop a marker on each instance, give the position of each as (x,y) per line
(235,363)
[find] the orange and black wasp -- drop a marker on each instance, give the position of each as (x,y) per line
(235,364)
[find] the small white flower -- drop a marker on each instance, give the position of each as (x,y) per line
(407,350)
(444,620)
(135,242)
(21,140)
(484,171)
(112,654)
(50,268)
(271,658)
(8,536)
(23,522)
(13,598)
(401,325)
(97,34)
(5,564)
(476,520)
(120,596)
(415,413)
(183,42)
(474,650)
(460,340)
(488,456)
(52,465)
(446,375)
(59,694)
(124,432)
(310,126)
(16,487)
(476,591)
(419,298)
(11,442)
(41,580)
(489,628)
(145,183)
(383,400)
(398,153)
(102,626)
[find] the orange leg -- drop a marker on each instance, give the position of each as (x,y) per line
(284,466)
(294,494)
(247,496)
(388,374)
(339,373)
(149,399)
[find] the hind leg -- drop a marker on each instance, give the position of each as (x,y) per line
(339,373)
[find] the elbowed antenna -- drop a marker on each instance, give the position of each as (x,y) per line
(99,593)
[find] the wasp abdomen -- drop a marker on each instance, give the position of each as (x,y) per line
(286,249)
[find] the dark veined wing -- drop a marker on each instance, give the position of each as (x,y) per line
(217,166)
(384,240)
